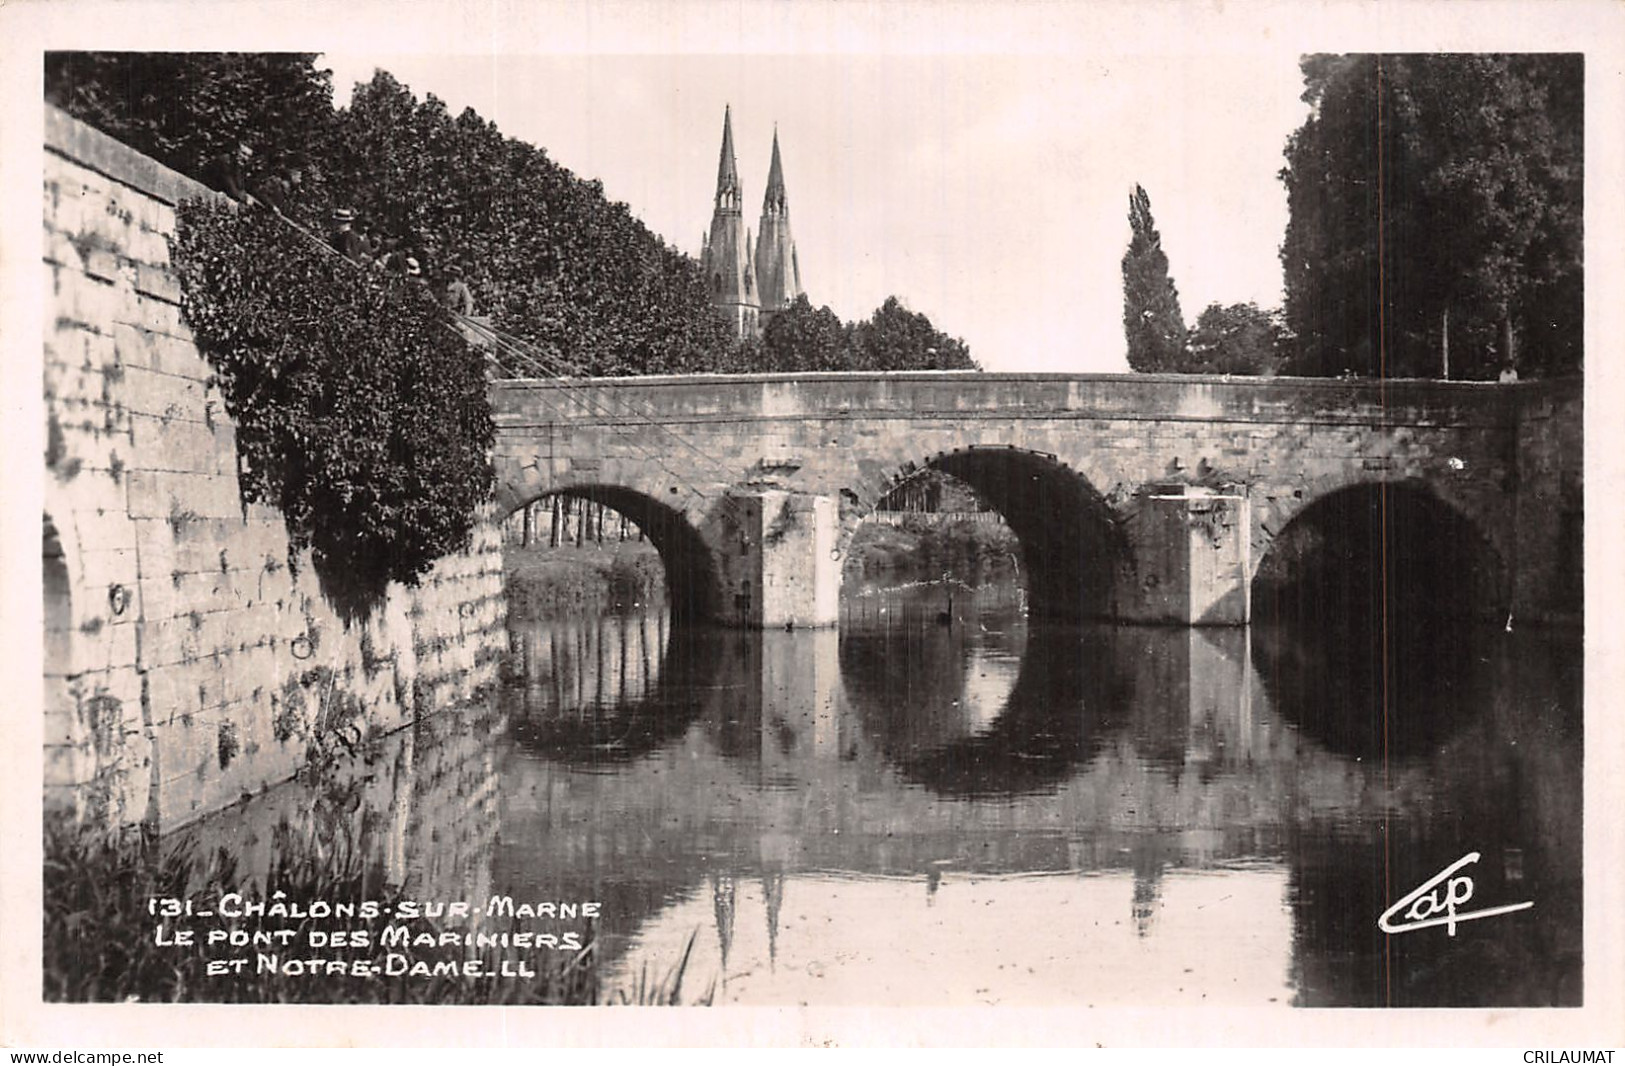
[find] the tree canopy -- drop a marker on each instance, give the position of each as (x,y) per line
(1434,200)
(366,424)
(895,338)
(184,108)
(1237,339)
(801,338)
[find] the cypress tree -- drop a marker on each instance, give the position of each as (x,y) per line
(1151,317)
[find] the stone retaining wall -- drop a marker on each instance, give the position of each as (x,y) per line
(189,659)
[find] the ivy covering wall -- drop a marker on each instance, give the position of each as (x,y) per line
(361,414)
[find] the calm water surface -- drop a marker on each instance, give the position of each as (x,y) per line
(995,811)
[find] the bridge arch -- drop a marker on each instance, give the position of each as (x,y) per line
(1365,613)
(64,732)
(1398,542)
(692,584)
(1074,553)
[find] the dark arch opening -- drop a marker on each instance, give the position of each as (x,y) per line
(58,606)
(59,702)
(690,572)
(1071,549)
(1369,614)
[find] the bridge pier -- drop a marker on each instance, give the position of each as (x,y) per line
(1194,558)
(782,572)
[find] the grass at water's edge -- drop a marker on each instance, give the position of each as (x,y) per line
(544,581)
(963,549)
(105,939)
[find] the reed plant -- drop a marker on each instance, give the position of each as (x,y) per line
(102,940)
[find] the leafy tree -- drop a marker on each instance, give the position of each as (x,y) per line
(1436,196)
(1151,317)
(547,256)
(801,338)
(1238,339)
(185,108)
(895,338)
(550,259)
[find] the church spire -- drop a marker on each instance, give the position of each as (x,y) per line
(725,255)
(777,271)
(728,198)
(775,202)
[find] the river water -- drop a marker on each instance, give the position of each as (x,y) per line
(945,803)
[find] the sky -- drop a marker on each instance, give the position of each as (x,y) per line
(987,191)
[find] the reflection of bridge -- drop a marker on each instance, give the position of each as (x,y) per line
(1139,498)
(1172,751)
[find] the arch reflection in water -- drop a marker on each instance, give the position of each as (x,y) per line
(1371,639)
(997,707)
(591,690)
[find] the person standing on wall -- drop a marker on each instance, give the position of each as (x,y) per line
(344,238)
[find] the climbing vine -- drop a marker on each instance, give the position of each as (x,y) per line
(359,414)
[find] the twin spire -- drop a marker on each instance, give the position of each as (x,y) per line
(774,201)
(728,196)
(749,281)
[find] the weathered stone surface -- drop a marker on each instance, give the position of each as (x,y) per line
(143,496)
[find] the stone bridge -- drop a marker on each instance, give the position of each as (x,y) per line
(1140,498)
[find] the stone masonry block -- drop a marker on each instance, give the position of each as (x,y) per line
(212,591)
(186,446)
(155,543)
(163,221)
(159,594)
(120,683)
(99,535)
(69,385)
(164,318)
(94,304)
(182,497)
(68,208)
(111,646)
(101,352)
(157,283)
(172,692)
(179,356)
(102,264)
(170,642)
(191,747)
(211,690)
(100,570)
(149,246)
(247,678)
(101,220)
(141,210)
(136,347)
(163,396)
(68,766)
(60,250)
(214,545)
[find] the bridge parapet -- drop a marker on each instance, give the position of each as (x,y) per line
(1159,397)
